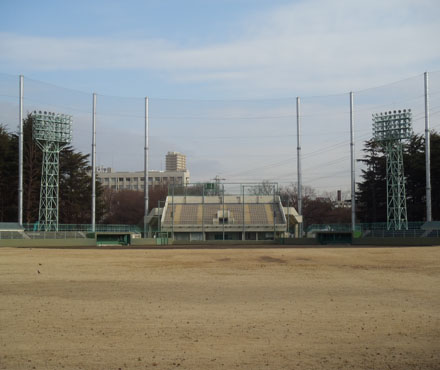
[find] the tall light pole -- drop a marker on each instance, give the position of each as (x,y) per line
(94,164)
(427,153)
(353,171)
(298,162)
(146,163)
(20,152)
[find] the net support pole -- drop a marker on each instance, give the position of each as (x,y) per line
(223,191)
(20,152)
(352,160)
(94,164)
(146,164)
(298,161)
(427,153)
(243,234)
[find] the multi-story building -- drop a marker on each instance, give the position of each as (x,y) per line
(135,180)
(176,173)
(175,161)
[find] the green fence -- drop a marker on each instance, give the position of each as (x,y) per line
(88,228)
(376,230)
(360,227)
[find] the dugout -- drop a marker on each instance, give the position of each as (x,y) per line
(113,238)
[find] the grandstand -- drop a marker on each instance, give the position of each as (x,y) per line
(229,217)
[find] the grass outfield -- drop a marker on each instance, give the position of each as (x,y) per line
(220,309)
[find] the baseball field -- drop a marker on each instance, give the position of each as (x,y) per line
(302,308)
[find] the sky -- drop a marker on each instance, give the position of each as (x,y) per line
(222,77)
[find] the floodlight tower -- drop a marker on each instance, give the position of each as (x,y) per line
(389,130)
(52,132)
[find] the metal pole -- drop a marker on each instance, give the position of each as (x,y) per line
(94,163)
(353,178)
(172,214)
(299,173)
(20,152)
(146,163)
(224,212)
(427,153)
(203,213)
(243,237)
(274,213)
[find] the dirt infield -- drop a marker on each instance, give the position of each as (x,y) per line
(220,309)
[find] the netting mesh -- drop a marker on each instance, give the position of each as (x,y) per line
(236,140)
(9,87)
(120,133)
(42,96)
(325,142)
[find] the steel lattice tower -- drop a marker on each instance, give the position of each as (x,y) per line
(52,132)
(390,129)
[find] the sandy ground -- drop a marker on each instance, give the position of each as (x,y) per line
(363,308)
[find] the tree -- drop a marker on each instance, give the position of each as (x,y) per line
(371,198)
(126,207)
(371,194)
(265,188)
(315,210)
(76,189)
(8,176)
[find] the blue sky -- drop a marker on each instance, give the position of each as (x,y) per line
(219,49)
(230,51)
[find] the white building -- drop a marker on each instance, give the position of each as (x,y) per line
(175,161)
(135,180)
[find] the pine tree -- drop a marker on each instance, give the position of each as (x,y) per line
(371,194)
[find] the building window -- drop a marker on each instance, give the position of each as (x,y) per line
(127,179)
(157,179)
(121,179)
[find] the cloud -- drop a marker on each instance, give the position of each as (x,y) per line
(305,44)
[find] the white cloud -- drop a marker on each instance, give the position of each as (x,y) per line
(306,44)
